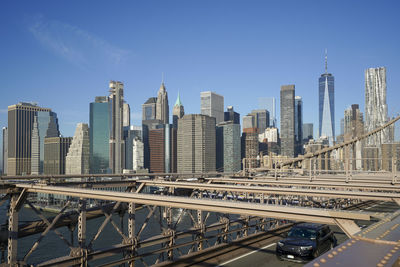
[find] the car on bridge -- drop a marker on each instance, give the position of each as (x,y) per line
(305,241)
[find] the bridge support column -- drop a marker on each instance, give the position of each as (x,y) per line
(131,231)
(12,231)
(201,228)
(82,231)
(171,234)
(310,169)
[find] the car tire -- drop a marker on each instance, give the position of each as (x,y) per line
(316,253)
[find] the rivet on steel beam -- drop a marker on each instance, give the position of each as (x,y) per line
(344,247)
(316,264)
(380,265)
(334,252)
(349,244)
(386,257)
(389,254)
(383,261)
(322,260)
(340,250)
(353,241)
(330,256)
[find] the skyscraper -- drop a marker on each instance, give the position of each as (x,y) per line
(117,145)
(137,155)
(35,154)
(99,132)
(162,107)
(212,105)
(327,104)
(353,123)
(261,119)
(269,103)
(287,121)
(177,112)
(45,125)
(149,109)
(126,115)
(196,144)
(250,147)
(231,115)
(157,149)
(55,153)
(228,146)
(376,111)
(77,159)
(308,132)
(134,132)
(5,149)
(298,124)
(249,121)
(20,125)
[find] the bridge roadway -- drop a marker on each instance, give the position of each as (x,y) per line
(262,253)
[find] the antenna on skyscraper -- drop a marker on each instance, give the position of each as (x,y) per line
(162,77)
(326,60)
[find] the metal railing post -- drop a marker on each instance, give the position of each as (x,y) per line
(394,169)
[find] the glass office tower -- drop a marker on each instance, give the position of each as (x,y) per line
(99,133)
(327,105)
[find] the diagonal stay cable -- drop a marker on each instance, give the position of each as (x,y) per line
(49,227)
(105,222)
(151,211)
(109,217)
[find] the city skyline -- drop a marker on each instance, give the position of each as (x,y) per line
(218,60)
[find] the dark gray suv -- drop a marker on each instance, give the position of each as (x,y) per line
(306,241)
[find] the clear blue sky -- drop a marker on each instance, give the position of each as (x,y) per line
(62,54)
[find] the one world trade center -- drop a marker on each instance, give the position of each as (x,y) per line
(327,104)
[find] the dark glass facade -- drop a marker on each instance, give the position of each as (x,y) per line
(327,106)
(99,133)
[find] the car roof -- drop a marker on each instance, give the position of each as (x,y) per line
(314,226)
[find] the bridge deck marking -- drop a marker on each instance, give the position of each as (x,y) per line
(247,254)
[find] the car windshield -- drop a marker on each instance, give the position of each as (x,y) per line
(303,233)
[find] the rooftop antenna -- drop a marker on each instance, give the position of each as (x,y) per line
(326,60)
(162,77)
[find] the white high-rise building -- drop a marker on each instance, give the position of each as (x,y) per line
(137,157)
(271,134)
(376,111)
(126,115)
(212,105)
(77,160)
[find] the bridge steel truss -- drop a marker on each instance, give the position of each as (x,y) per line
(209,221)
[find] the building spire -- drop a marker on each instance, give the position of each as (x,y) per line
(162,77)
(326,60)
(178,101)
